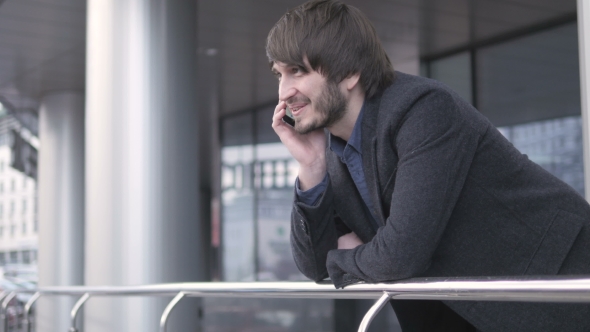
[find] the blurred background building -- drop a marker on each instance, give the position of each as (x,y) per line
(157,163)
(18,198)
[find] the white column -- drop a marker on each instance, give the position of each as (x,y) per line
(584,52)
(142,188)
(61,204)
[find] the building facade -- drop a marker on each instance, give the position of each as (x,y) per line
(19,223)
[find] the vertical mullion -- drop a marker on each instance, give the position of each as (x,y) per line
(584,56)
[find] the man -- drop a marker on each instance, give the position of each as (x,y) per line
(413,181)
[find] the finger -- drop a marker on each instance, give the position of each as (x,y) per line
(278,114)
(281,105)
(280,110)
(277,119)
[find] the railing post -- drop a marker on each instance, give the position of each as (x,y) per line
(75,309)
(28,307)
(2,316)
(169,307)
(4,309)
(370,315)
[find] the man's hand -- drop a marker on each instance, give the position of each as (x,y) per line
(349,241)
(309,149)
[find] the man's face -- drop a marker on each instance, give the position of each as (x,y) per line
(314,102)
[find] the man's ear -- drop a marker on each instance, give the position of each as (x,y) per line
(351,81)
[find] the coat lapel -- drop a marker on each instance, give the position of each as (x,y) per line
(369,147)
(347,200)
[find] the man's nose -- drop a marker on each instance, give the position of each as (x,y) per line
(286,89)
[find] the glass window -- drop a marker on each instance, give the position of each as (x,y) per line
(26,256)
(13,257)
(12,185)
(454,71)
(530,88)
(556,145)
(257,178)
(258,175)
(531,78)
(237,197)
(24,228)
(280,315)
(275,172)
(237,130)
(24,205)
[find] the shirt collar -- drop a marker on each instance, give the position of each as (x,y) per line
(338,145)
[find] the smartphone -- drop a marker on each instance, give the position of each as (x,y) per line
(288,118)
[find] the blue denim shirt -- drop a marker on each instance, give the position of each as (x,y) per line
(350,153)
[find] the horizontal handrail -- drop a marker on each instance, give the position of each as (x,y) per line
(556,289)
(524,289)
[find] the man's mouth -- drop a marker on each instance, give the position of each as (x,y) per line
(296,109)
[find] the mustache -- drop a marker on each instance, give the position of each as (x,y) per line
(298,99)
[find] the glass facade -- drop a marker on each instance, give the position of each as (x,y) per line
(554,144)
(257,178)
(454,71)
(529,88)
(257,192)
(531,78)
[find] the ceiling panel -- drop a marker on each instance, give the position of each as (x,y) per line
(42,42)
(42,45)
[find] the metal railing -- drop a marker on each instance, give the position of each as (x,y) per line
(531,289)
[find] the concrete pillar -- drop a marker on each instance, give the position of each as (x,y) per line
(584,55)
(142,187)
(61,204)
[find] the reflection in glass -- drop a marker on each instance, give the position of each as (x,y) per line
(257,195)
(530,87)
(275,199)
(237,213)
(556,145)
(237,197)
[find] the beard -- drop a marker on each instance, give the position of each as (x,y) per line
(330,107)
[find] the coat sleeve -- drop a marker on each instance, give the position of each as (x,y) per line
(313,234)
(436,146)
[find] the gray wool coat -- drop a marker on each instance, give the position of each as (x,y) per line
(453,198)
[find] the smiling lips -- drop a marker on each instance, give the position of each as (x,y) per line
(296,108)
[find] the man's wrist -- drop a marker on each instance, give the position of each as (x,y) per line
(311,196)
(310,176)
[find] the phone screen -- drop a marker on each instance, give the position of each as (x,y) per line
(288,118)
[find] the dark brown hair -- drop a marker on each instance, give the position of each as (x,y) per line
(338,41)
